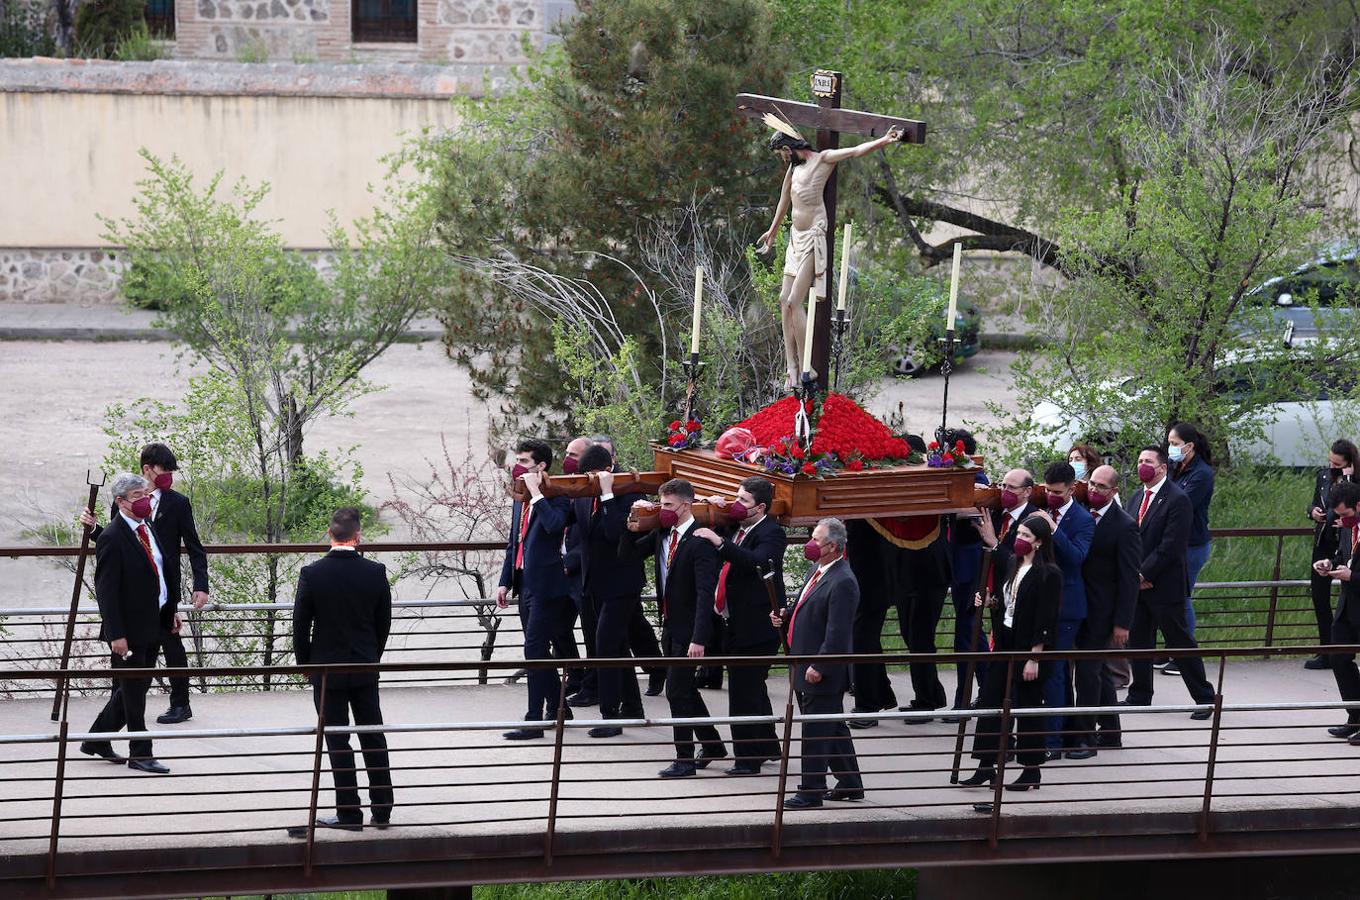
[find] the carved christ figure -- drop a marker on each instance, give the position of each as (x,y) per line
(806,258)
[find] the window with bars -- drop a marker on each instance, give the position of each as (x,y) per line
(383,21)
(160,18)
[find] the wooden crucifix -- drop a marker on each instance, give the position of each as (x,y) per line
(830,121)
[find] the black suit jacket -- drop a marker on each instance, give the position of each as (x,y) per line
(1111,571)
(823,624)
(1327,539)
(1166,534)
(174,527)
(593,548)
(126,587)
(342,613)
(1037,601)
(689,586)
(748,604)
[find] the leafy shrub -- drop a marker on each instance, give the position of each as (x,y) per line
(24,31)
(101,25)
(140,46)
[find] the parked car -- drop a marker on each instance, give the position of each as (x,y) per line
(1295,427)
(911,360)
(1331,280)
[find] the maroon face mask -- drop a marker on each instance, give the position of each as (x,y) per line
(1023,547)
(141,507)
(569,465)
(164,480)
(1097,499)
(738,511)
(1146,472)
(1349,521)
(1055,502)
(669,518)
(517,471)
(1009,499)
(812,551)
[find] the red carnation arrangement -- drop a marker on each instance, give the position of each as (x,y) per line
(684,434)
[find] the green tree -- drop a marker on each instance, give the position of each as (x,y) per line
(626,127)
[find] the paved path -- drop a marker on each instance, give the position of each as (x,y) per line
(235,790)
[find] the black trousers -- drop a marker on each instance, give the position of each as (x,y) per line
(682,693)
(172,646)
(642,640)
(127,702)
(966,625)
(870,685)
(712,676)
(1322,589)
(618,688)
(587,611)
(748,695)
(1344,670)
(1024,694)
(1094,684)
(1169,619)
(363,700)
(547,631)
(826,746)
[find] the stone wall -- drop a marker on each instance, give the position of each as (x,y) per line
(57,275)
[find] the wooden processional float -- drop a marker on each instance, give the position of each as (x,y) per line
(907,490)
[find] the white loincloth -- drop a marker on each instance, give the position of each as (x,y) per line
(803,244)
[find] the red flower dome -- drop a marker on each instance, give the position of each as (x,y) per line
(809,469)
(844,429)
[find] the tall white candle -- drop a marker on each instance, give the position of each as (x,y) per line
(811,328)
(954,290)
(845,267)
(698,305)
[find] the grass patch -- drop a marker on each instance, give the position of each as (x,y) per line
(875,884)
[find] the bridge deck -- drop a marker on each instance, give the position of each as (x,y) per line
(469,796)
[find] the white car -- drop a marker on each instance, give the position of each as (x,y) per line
(1296,432)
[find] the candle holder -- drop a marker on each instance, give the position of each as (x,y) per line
(839,326)
(802,423)
(691,367)
(946,369)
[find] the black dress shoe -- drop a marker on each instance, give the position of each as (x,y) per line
(1337,731)
(742,768)
(983,808)
(802,801)
(148,765)
(103,751)
(709,753)
(1200,715)
(916,709)
(1128,702)
(983,776)
(380,824)
(1052,755)
(1086,751)
(604,731)
(638,713)
(1317,662)
(582,699)
(300,831)
(678,769)
(845,794)
(655,685)
(523,734)
(175,714)
(1354,740)
(863,723)
(1028,779)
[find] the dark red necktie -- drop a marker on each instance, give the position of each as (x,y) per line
(146,547)
(720,598)
(1142,509)
(523,531)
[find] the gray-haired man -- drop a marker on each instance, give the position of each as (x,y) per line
(129,585)
(820,622)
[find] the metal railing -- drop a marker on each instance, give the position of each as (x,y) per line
(249,782)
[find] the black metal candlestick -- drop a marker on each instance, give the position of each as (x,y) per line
(946,369)
(691,367)
(839,324)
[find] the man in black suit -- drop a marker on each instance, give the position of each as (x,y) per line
(752,548)
(686,571)
(820,623)
(130,588)
(533,570)
(342,613)
(1111,577)
(1163,514)
(611,585)
(582,684)
(1345,498)
(172,520)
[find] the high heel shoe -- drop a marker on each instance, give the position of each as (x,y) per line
(985,775)
(1028,779)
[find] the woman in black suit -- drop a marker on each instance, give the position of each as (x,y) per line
(1342,462)
(1024,617)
